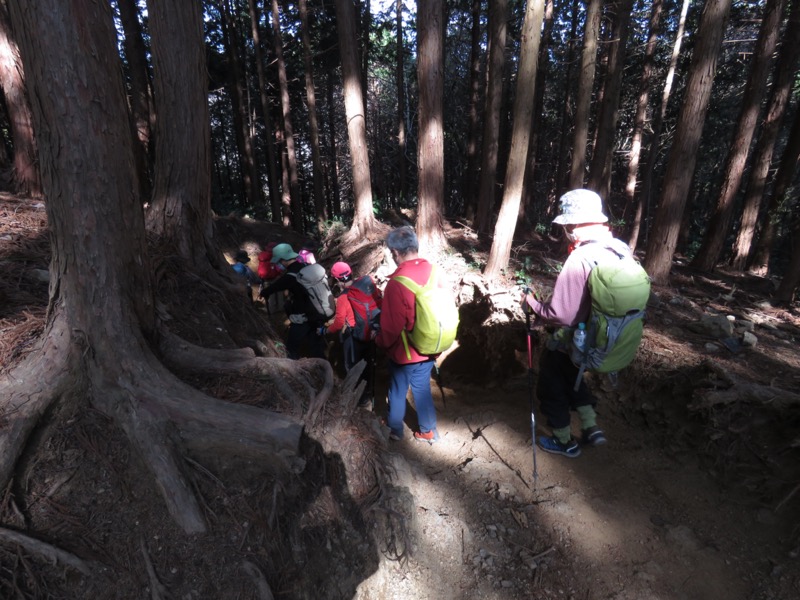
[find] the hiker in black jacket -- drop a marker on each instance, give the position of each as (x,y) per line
(304,322)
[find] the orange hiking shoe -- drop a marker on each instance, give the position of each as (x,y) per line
(429,436)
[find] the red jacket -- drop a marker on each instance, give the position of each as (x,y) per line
(344,314)
(398,312)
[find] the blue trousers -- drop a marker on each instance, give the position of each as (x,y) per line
(416,376)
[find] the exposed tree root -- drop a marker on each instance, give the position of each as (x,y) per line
(53,554)
(157,589)
(264,591)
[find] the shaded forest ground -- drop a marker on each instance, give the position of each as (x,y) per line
(696,496)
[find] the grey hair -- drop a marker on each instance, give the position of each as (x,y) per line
(403,240)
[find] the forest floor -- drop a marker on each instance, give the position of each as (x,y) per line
(696,495)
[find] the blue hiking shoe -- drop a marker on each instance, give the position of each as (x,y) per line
(551,444)
(593,436)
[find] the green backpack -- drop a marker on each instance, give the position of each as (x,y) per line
(436,321)
(619,288)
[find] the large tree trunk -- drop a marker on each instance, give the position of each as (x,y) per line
(600,171)
(640,118)
(266,111)
(101,327)
(642,207)
(25,175)
(718,228)
(584,98)
(290,155)
(141,97)
(683,155)
(780,94)
(783,180)
(430,152)
(562,175)
(333,162)
(520,139)
(313,127)
(498,17)
(363,218)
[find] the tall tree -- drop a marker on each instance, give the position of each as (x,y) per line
(471,178)
(655,136)
(683,154)
(402,159)
(566,106)
(290,154)
(585,84)
(791,279)
(498,17)
(720,225)
(266,111)
(780,94)
(100,266)
(363,218)
(313,127)
(640,118)
(430,151)
(790,160)
(600,170)
(520,139)
(12,79)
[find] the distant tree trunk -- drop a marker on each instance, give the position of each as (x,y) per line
(783,180)
(683,155)
(720,225)
(288,131)
(313,127)
(520,139)
(584,99)
(402,160)
(791,278)
(471,174)
(600,170)
(180,210)
(140,91)
(780,93)
(430,154)
(363,218)
(251,186)
(566,111)
(642,207)
(640,118)
(498,17)
(12,78)
(334,155)
(266,110)
(366,25)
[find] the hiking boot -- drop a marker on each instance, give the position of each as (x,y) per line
(551,444)
(593,436)
(429,436)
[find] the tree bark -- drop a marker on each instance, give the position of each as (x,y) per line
(683,155)
(363,218)
(780,94)
(498,17)
(430,152)
(520,139)
(719,227)
(313,126)
(471,174)
(584,98)
(402,159)
(100,266)
(25,174)
(288,131)
(562,176)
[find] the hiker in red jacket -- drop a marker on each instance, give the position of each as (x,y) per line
(407,368)
(357,307)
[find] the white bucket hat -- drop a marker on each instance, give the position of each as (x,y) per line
(579,207)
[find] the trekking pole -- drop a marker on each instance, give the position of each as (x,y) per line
(438,378)
(530,386)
